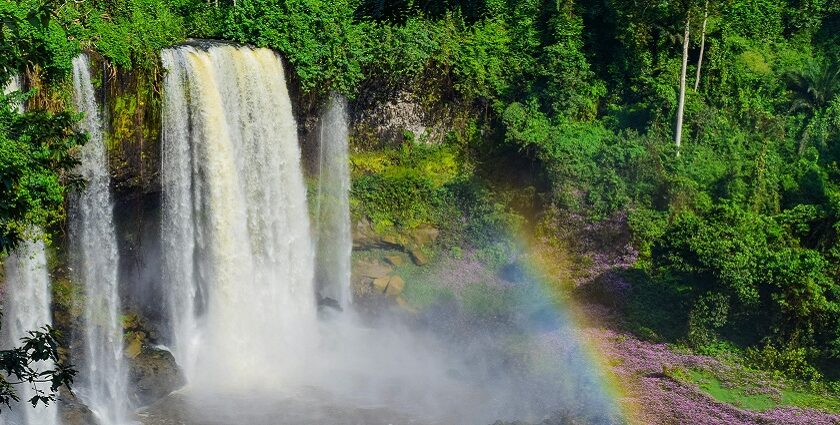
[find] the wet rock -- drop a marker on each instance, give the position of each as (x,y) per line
(327,302)
(72,411)
(153,374)
(134,347)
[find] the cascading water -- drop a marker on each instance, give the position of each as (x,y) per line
(334,237)
(102,374)
(13,86)
(27,308)
(239,272)
(238,259)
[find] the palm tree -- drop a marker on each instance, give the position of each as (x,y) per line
(814,86)
(812,89)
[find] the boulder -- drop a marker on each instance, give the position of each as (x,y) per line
(380,284)
(366,237)
(394,260)
(424,235)
(134,347)
(154,374)
(395,286)
(373,269)
(72,411)
(418,257)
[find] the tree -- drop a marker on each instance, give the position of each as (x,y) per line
(812,89)
(814,86)
(681,106)
(21,366)
(702,45)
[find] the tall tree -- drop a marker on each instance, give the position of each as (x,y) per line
(702,45)
(681,105)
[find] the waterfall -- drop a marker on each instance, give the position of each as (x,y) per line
(238,258)
(13,86)
(27,308)
(334,238)
(102,373)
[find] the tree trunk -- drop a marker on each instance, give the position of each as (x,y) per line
(681,106)
(702,46)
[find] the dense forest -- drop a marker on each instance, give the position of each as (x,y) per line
(710,129)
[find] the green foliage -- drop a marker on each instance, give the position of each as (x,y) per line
(35,159)
(21,366)
(399,197)
(320,39)
(790,361)
(28,36)
(738,231)
(753,265)
(127,32)
(404,188)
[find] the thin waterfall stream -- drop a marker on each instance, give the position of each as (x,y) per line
(332,206)
(26,307)
(102,377)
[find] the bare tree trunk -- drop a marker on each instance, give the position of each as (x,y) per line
(681,106)
(702,46)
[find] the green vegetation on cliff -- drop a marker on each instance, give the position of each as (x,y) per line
(737,228)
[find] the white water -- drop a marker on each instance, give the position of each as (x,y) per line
(333,233)
(12,86)
(239,273)
(27,308)
(238,259)
(102,373)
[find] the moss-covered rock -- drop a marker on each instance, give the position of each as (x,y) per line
(153,373)
(133,112)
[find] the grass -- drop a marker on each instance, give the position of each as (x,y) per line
(750,396)
(740,396)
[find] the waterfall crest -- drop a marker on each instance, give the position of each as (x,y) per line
(238,258)
(334,236)
(102,374)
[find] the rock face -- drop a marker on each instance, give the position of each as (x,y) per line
(384,114)
(153,374)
